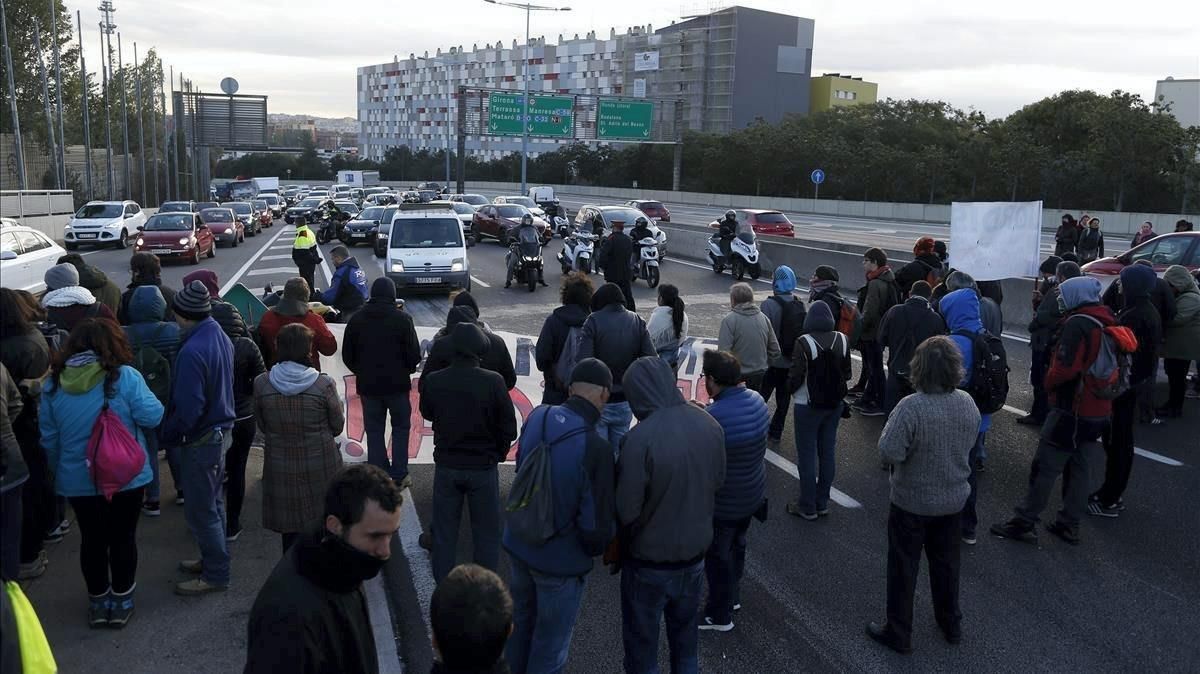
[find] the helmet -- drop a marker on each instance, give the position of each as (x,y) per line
(641,222)
(730,215)
(527,219)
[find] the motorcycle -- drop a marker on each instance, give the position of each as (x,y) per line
(576,253)
(560,225)
(528,249)
(742,258)
(645,264)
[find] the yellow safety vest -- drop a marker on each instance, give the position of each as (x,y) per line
(304,238)
(36,657)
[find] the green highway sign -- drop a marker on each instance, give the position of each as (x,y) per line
(624,120)
(548,115)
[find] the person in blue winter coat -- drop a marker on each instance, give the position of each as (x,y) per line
(90,372)
(961,311)
(146,310)
(347,291)
(745,419)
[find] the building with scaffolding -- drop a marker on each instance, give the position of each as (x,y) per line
(726,69)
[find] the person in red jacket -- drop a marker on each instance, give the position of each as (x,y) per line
(1076,421)
(293,308)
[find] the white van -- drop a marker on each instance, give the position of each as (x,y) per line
(427,249)
(541,194)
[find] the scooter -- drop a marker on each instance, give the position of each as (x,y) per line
(528,250)
(576,253)
(743,256)
(645,265)
(326,230)
(560,225)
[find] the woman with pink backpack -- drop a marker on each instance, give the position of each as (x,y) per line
(93,409)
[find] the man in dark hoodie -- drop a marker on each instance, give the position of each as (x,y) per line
(496,357)
(670,470)
(926,266)
(95,280)
(347,291)
(1066,236)
(467,448)
(562,325)
(1140,316)
(1075,423)
(615,257)
(904,327)
(875,298)
(617,337)
(381,348)
(147,271)
(1161,296)
(1043,333)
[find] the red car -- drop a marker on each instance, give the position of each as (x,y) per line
(652,209)
(176,235)
(225,225)
(498,220)
(772,223)
(1164,250)
(266,217)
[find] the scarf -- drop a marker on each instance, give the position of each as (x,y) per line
(817,287)
(871,276)
(69,296)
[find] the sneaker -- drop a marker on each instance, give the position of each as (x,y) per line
(1030,420)
(31,570)
(856,390)
(868,410)
(197,587)
(822,512)
(56,535)
(793,508)
(233,535)
(120,609)
(881,634)
(99,609)
(1069,535)
(179,498)
(194,566)
(1120,505)
(969,538)
(1095,507)
(737,607)
(978,465)
(708,624)
(404,483)
(151,509)
(1016,529)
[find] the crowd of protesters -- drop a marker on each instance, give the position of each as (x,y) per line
(95,383)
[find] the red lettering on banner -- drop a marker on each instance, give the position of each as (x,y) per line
(355,430)
(524,407)
(418,428)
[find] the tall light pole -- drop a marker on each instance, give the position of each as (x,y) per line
(62,137)
(529,9)
(12,92)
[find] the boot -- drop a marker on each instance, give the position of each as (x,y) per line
(121,608)
(99,607)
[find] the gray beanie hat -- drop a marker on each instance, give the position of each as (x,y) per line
(192,302)
(61,276)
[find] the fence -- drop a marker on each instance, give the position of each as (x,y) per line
(44,210)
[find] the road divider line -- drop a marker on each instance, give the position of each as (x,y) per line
(233,280)
(284,256)
(836,495)
(475,279)
(291,271)
(418,559)
(381,627)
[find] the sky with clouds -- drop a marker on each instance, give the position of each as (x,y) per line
(994,57)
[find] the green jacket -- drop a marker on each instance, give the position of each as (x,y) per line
(1182,333)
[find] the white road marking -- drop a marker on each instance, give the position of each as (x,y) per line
(836,495)
(418,558)
(291,271)
(253,258)
(286,246)
(1145,453)
(286,256)
(475,279)
(381,627)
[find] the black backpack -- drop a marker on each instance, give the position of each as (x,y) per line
(530,503)
(791,323)
(988,384)
(825,365)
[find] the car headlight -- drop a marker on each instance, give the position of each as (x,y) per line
(398,267)
(141,242)
(457,264)
(229,230)
(184,241)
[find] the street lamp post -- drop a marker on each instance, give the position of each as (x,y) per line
(525,79)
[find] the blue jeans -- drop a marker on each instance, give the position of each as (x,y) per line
(481,489)
(970,519)
(724,565)
(614,424)
(375,412)
(816,438)
(201,467)
(648,595)
(544,612)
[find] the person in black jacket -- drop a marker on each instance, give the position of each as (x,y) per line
(1140,316)
(380,347)
(147,271)
(466,448)
(617,337)
(576,296)
(496,356)
(1067,235)
(1161,296)
(615,257)
(223,312)
(1041,334)
(311,614)
(927,265)
(904,327)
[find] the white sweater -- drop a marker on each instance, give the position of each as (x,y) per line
(662,330)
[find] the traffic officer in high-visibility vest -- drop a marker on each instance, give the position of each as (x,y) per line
(305,253)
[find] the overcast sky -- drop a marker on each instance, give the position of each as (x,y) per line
(994,57)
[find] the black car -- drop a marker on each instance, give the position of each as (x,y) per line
(384,229)
(363,227)
(303,209)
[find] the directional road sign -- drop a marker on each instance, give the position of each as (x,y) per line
(818,176)
(548,115)
(624,120)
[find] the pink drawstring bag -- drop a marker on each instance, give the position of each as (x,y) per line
(114,456)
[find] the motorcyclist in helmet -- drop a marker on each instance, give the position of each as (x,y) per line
(727,230)
(641,230)
(514,248)
(551,208)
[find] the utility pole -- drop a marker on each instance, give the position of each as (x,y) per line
(87,129)
(137,95)
(153,133)
(62,135)
(124,118)
(105,69)
(37,49)
(12,91)
(168,142)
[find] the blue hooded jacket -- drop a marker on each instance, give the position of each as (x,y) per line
(147,307)
(785,280)
(961,311)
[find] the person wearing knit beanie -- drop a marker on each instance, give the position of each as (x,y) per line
(826,273)
(62,275)
(192,303)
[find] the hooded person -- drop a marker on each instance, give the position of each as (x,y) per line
(823,287)
(293,308)
(1076,421)
(1181,343)
(1066,236)
(67,302)
(786,313)
(1161,295)
(495,355)
(105,291)
(672,462)
(926,266)
(989,310)
(146,270)
(1145,233)
(618,337)
(961,309)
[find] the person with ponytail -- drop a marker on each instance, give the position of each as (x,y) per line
(668,325)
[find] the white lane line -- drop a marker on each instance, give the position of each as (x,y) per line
(836,495)
(482,283)
(381,627)
(291,271)
(418,558)
(1145,453)
(285,246)
(253,258)
(285,256)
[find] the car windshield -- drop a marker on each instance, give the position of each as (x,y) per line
(427,233)
(175,207)
(270,199)
(462,209)
(169,222)
(511,211)
(474,199)
(522,201)
(239,207)
(99,211)
(652,205)
(625,215)
(771,219)
(347,207)
(216,215)
(206,204)
(372,213)
(259,204)
(309,203)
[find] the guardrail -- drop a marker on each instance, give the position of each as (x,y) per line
(44,210)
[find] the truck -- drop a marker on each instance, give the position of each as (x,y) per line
(241,190)
(358,178)
(269,185)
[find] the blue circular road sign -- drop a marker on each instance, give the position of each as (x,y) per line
(818,176)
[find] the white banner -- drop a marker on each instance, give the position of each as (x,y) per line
(639,87)
(645,60)
(997,239)
(525,396)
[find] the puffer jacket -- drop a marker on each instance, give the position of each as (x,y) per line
(744,417)
(1183,331)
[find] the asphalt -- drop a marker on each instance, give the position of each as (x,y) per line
(1127,598)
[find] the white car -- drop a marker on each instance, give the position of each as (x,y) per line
(274,202)
(427,250)
(465,212)
(25,255)
(522,201)
(473,200)
(104,223)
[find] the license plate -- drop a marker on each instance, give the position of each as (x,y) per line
(86,236)
(429,279)
(358,235)
(162,251)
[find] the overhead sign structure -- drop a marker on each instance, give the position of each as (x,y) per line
(645,60)
(624,120)
(552,116)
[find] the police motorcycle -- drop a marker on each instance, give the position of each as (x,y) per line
(577,251)
(741,256)
(556,217)
(645,260)
(524,257)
